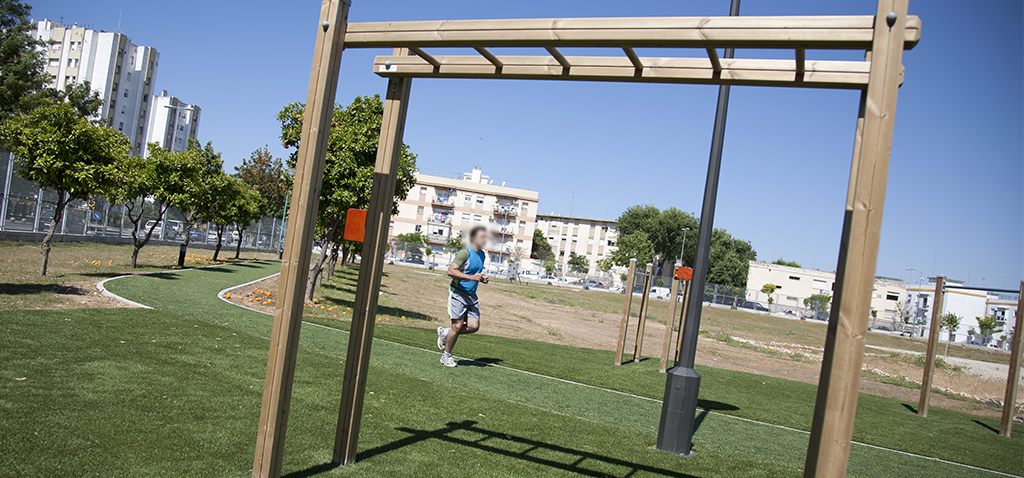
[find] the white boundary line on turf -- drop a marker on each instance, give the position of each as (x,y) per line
(220,295)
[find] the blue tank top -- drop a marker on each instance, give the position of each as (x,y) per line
(473,264)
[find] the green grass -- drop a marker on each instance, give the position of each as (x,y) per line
(149,408)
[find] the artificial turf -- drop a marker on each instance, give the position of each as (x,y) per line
(146,407)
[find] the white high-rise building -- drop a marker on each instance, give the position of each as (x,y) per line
(122,72)
(171,123)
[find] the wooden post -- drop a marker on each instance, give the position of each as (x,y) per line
(309,172)
(836,405)
(627,288)
(378,219)
(644,301)
(933,343)
(670,321)
(1013,376)
(687,290)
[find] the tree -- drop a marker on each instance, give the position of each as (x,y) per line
(634,245)
(60,150)
(541,248)
(349,165)
(453,244)
(22,60)
(188,180)
(950,322)
(819,303)
(549,265)
(782,262)
(81,97)
(577,262)
(269,176)
(221,211)
(246,208)
(134,189)
(769,289)
(412,243)
(986,327)
(729,260)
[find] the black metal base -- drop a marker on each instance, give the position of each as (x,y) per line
(678,411)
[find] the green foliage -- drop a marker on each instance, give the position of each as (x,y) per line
(782,262)
(351,157)
(22,60)
(411,243)
(453,244)
(634,245)
(549,265)
(188,180)
(81,97)
(987,326)
(58,149)
(729,261)
(769,289)
(269,177)
(950,322)
(818,302)
(577,262)
(661,282)
(541,247)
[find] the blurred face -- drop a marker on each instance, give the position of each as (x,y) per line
(479,239)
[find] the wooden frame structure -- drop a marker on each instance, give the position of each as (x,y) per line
(666,345)
(627,289)
(884,36)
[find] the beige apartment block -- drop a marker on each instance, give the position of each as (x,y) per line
(442,207)
(593,238)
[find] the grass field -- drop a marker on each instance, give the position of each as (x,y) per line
(176,390)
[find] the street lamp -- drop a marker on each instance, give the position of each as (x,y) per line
(573,203)
(683,249)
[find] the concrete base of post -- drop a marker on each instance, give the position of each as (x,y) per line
(678,411)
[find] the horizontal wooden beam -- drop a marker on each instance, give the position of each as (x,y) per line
(755,72)
(807,32)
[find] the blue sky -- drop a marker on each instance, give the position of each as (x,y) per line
(955,204)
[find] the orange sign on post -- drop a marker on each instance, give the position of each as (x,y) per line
(684,273)
(355,225)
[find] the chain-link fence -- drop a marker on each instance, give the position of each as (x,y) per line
(27,208)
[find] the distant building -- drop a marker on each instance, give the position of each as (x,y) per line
(171,123)
(442,207)
(794,285)
(969,304)
(592,238)
(123,73)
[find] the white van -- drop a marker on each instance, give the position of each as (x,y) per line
(660,292)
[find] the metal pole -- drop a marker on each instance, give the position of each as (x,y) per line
(7,191)
(679,406)
(682,250)
(280,235)
(39,210)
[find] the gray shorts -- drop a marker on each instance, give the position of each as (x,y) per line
(462,305)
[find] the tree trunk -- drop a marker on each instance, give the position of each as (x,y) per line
(58,215)
(184,245)
(333,260)
(344,258)
(314,272)
(220,237)
(238,245)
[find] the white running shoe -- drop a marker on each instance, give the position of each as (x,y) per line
(448,361)
(442,338)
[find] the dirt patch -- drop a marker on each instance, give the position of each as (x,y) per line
(590,319)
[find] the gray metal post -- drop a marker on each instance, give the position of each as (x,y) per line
(280,241)
(120,226)
(679,407)
(7,191)
(39,210)
(63,217)
(106,215)
(259,229)
(163,225)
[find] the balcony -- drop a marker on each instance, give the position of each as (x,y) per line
(440,219)
(443,201)
(509,210)
(437,238)
(505,230)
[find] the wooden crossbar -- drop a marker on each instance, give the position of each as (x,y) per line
(757,72)
(814,32)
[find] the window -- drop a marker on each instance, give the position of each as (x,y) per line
(145,99)
(76,45)
(54,62)
(891,296)
(479,199)
(117,70)
(56,46)
(423,190)
(419,211)
(114,88)
(72,62)
(129,76)
(478,218)
(120,126)
(794,278)
(417,228)
(126,93)
(465,217)
(181,128)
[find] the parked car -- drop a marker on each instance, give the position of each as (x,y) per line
(747,304)
(415,260)
(195,235)
(660,292)
(593,284)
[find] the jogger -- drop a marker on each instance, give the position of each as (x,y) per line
(466,272)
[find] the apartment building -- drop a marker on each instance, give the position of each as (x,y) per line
(122,72)
(794,284)
(593,238)
(441,207)
(969,304)
(171,123)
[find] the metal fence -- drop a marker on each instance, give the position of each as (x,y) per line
(27,208)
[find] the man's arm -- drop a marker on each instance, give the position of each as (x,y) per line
(454,268)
